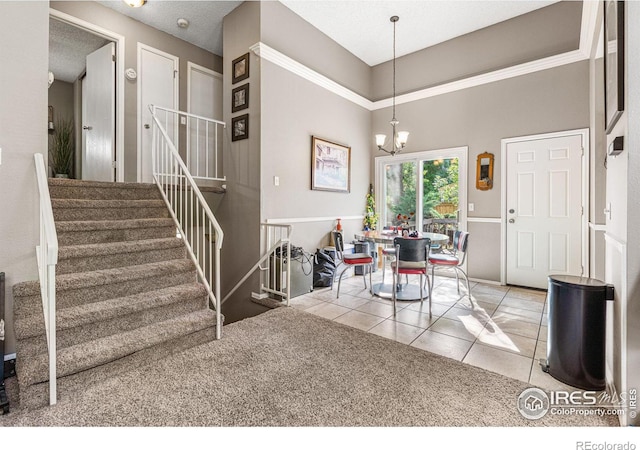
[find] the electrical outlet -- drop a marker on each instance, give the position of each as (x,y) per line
(276,181)
(472,207)
(183,120)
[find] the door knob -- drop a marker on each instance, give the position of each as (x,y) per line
(87,127)
(146,126)
(512,220)
(511,211)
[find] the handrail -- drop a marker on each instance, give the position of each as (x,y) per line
(202,141)
(196,223)
(272,280)
(47,256)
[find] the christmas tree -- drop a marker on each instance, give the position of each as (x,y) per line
(370,217)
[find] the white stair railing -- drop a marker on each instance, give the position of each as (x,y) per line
(196,223)
(202,141)
(47,255)
(276,249)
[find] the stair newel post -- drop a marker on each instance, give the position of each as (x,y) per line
(153,142)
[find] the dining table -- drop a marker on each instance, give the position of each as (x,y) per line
(404,291)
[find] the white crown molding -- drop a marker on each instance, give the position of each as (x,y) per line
(270,54)
(587,35)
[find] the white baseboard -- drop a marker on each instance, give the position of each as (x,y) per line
(259,296)
(10,356)
(480,280)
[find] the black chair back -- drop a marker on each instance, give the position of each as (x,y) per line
(338,241)
(411,249)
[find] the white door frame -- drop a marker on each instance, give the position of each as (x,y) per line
(584,134)
(120,47)
(193,66)
(462,153)
(176,95)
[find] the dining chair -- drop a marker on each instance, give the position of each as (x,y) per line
(349,260)
(412,256)
(454,259)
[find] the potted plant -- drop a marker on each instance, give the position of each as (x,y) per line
(62,149)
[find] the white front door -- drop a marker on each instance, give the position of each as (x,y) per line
(98,115)
(544,207)
(158,86)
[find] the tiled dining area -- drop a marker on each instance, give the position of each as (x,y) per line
(505,333)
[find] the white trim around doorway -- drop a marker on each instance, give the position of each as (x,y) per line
(584,134)
(120,48)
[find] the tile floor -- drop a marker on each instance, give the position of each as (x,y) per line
(506,333)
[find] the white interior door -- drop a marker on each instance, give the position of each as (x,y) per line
(544,205)
(99,115)
(157,85)
(205,100)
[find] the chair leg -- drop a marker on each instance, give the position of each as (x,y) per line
(420,286)
(457,280)
(430,291)
(393,292)
(364,276)
(340,280)
(370,282)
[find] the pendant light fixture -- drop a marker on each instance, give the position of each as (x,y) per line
(399,139)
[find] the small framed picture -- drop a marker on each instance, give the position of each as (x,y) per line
(240,128)
(240,68)
(613,62)
(240,98)
(330,166)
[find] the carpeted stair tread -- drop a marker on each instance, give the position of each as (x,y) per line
(69,182)
(98,225)
(57,203)
(102,351)
(86,250)
(106,276)
(67,318)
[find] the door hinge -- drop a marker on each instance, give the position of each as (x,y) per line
(114,165)
(175,72)
(582,210)
(113,58)
(582,151)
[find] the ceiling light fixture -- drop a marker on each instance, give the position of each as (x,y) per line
(135,3)
(183,23)
(399,139)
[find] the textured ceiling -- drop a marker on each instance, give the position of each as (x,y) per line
(68,47)
(205,19)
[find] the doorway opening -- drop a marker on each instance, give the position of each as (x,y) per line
(75,45)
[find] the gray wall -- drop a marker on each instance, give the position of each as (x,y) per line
(135,32)
(239,209)
(23,115)
(61,98)
(480,117)
(545,32)
(294,110)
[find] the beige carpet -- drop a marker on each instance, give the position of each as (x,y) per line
(290,368)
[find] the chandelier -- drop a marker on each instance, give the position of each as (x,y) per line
(398,139)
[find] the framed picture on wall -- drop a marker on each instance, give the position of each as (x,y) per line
(330,166)
(613,62)
(240,98)
(240,68)
(240,127)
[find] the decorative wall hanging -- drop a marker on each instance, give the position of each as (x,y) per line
(330,166)
(484,171)
(240,98)
(613,62)
(240,127)
(240,68)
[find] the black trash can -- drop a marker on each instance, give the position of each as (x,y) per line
(576,331)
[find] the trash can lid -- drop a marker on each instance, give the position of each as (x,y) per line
(584,282)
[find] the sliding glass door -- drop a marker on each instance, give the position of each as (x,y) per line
(427,190)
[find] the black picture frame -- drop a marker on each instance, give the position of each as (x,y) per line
(240,128)
(240,68)
(240,98)
(613,62)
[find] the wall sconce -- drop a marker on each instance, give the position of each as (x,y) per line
(135,3)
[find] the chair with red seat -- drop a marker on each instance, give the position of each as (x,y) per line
(412,255)
(352,260)
(453,260)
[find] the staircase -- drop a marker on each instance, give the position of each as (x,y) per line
(126,292)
